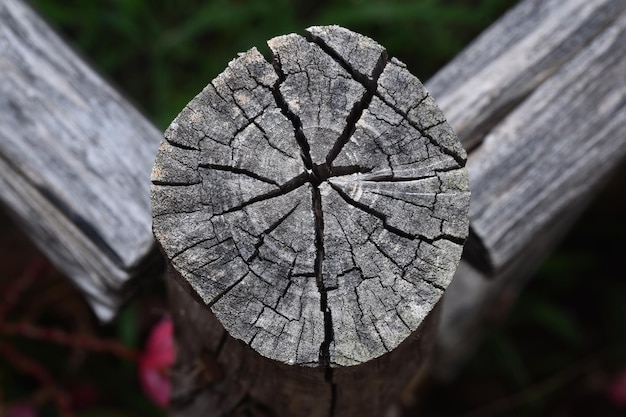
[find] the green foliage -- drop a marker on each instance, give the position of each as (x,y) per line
(163,53)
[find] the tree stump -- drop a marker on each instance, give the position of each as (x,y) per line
(312,210)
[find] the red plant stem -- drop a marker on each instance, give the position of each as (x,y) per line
(30,367)
(36,269)
(60,337)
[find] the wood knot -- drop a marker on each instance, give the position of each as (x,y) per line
(317,204)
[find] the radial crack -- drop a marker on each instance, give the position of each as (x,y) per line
(369,210)
(175,183)
(324,355)
(270,229)
(360,106)
(286,188)
(393,178)
(239,171)
(424,132)
(293,118)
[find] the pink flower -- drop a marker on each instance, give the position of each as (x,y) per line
(617,390)
(155,361)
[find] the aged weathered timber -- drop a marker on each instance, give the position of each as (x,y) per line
(318,207)
(540,157)
(535,172)
(75,161)
(527,157)
(512,58)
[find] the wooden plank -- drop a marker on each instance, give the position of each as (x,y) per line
(511,58)
(557,146)
(532,176)
(319,223)
(75,159)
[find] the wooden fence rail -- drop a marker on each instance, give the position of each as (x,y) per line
(75,160)
(554,98)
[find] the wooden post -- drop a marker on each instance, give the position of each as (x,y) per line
(312,213)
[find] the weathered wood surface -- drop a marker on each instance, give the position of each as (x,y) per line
(75,161)
(538,159)
(227,377)
(318,206)
(507,62)
(539,167)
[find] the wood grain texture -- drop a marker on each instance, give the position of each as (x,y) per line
(555,147)
(323,218)
(533,174)
(75,159)
(500,73)
(219,373)
(513,57)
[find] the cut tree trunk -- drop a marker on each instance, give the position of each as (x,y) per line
(316,210)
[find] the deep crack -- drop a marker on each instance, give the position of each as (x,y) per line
(291,116)
(424,132)
(369,210)
(242,171)
(266,232)
(316,171)
(324,354)
(286,188)
(360,106)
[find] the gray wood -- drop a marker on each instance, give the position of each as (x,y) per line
(318,210)
(533,174)
(219,373)
(516,66)
(510,59)
(527,171)
(75,159)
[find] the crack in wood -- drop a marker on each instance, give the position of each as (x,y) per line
(357,110)
(378,215)
(286,188)
(266,232)
(424,132)
(280,129)
(295,120)
(237,170)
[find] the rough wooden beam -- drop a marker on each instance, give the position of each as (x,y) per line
(509,60)
(533,175)
(318,208)
(554,149)
(75,159)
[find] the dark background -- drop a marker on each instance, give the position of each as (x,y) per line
(557,352)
